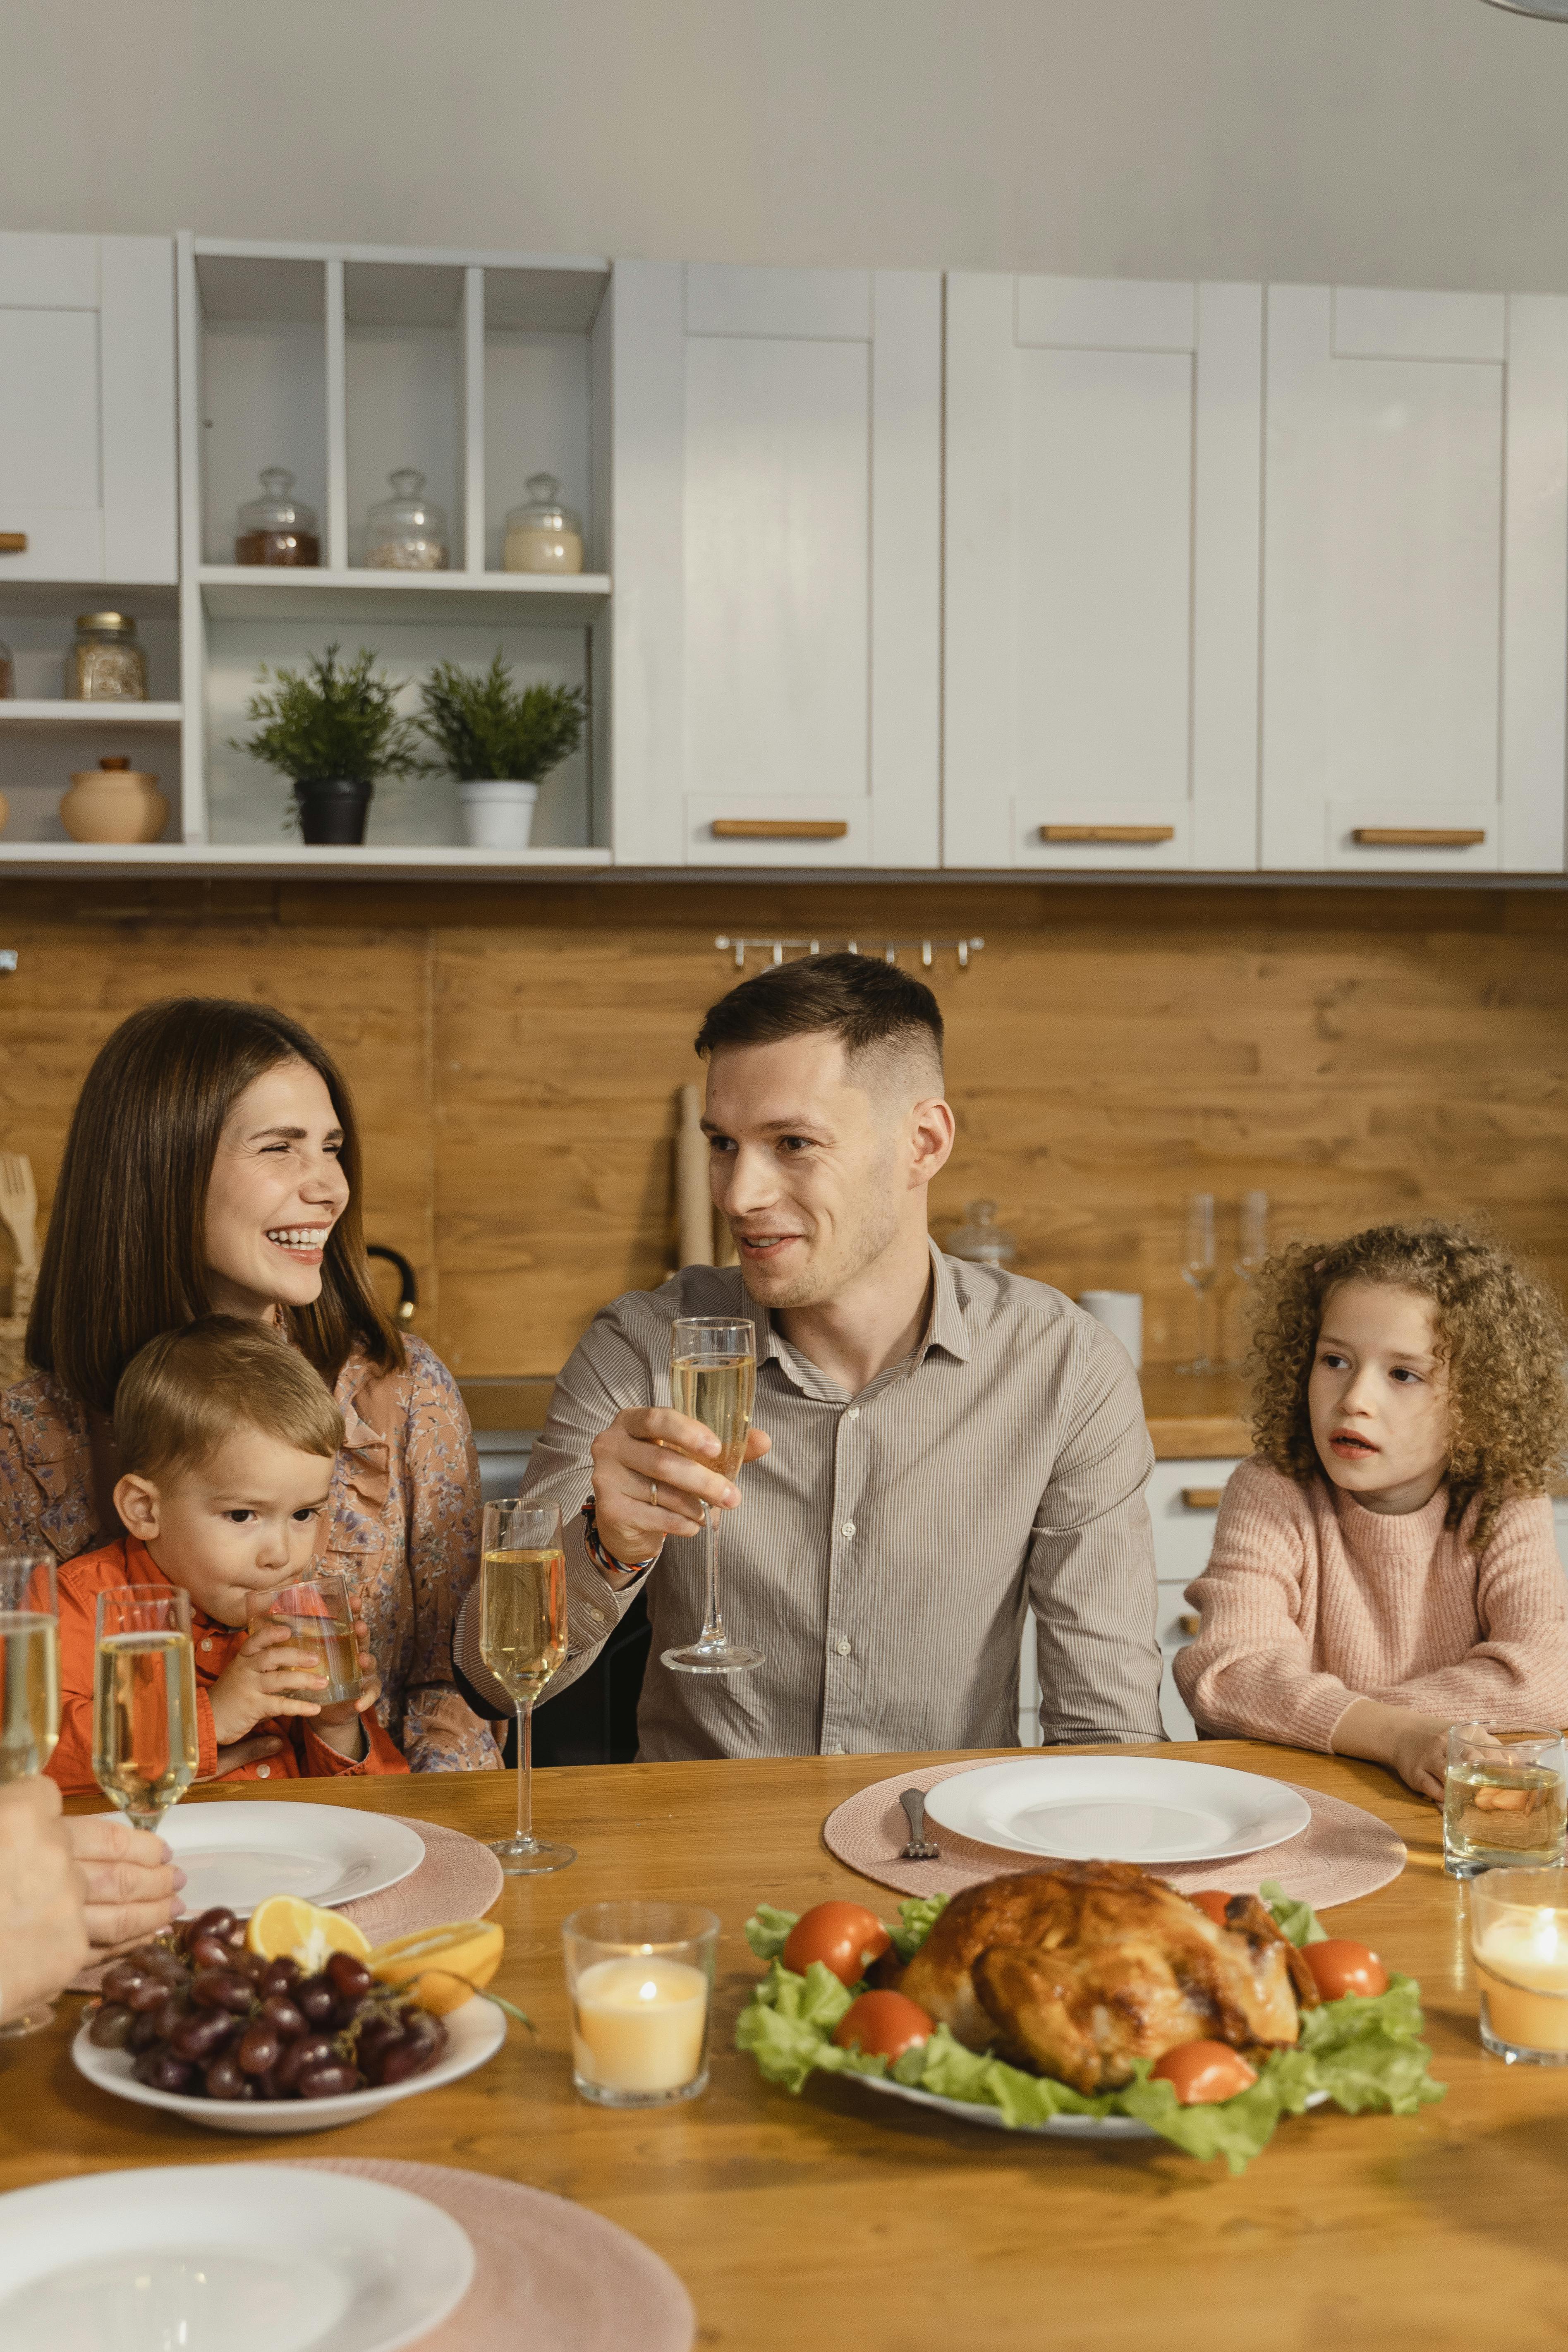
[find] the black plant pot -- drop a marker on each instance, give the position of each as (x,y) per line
(333,809)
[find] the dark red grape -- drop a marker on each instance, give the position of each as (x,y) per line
(287,2021)
(221,1989)
(143,2034)
(226,2080)
(282,1976)
(314,1998)
(219,1921)
(121,1980)
(162,1962)
(208,1952)
(150,1992)
(348,1974)
(257,2052)
(162,2071)
(413,2054)
(330,2080)
(202,2033)
(168,2015)
(315,2051)
(345,2009)
(377,2032)
(110,2026)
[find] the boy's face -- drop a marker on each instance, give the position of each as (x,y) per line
(1378,1396)
(235,1529)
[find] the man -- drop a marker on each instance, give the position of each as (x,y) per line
(946,1445)
(69,1887)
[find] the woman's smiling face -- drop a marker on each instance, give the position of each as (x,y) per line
(1378,1396)
(276,1191)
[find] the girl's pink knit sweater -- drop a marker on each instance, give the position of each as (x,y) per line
(1310,1601)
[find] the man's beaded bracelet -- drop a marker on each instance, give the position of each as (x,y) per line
(603,1559)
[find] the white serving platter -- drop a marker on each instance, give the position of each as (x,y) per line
(474,2034)
(1141,1809)
(227,2258)
(327,1854)
(970,2111)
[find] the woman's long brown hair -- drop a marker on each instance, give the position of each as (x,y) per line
(125,1256)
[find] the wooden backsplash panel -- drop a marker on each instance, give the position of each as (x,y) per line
(1359,1053)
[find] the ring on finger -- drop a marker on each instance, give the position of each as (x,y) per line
(653,1492)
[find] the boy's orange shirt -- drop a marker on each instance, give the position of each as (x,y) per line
(304,1755)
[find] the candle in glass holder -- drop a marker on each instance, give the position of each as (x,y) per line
(641,1977)
(1518,1935)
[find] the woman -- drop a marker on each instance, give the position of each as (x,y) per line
(212,1167)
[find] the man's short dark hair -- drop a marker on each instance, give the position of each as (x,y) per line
(871,1005)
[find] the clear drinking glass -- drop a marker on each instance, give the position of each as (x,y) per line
(713,1379)
(29,1694)
(1251,1249)
(144,1738)
(319,1612)
(1505,1798)
(1519,1938)
(641,1981)
(1199,1267)
(522,1640)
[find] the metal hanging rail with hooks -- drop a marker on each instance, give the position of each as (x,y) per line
(887,949)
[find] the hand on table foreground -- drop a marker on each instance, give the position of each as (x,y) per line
(649,1448)
(43,1932)
(1414,1746)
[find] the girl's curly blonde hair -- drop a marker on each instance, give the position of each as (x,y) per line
(1498,1329)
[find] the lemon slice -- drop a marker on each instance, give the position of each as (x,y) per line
(442,1967)
(285,1929)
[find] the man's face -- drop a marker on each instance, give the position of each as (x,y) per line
(817,1176)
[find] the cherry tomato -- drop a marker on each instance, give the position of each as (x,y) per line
(1213,1900)
(1339,1967)
(845,1937)
(883,2025)
(1201,2074)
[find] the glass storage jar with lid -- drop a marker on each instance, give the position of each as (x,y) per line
(104,663)
(543,535)
(409,530)
(981,1239)
(276,528)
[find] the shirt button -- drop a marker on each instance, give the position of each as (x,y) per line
(264,1771)
(206,1643)
(843,1645)
(848,1526)
(853,1414)
(835,1750)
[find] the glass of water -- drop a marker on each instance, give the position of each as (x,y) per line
(1505,1798)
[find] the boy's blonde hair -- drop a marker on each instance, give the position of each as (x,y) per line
(187,1391)
(1498,1329)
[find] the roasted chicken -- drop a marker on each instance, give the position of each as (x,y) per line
(1077,1971)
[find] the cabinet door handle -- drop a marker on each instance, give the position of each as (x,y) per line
(1121,833)
(780,828)
(1200,1498)
(1419,836)
(1189,1621)
(13,542)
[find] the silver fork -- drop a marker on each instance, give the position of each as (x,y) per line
(19,1204)
(919,1847)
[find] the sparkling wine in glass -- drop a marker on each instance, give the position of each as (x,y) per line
(144,1735)
(29,1695)
(713,1379)
(1199,1267)
(522,1641)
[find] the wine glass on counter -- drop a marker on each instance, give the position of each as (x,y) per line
(522,1641)
(29,1694)
(144,1738)
(713,1379)
(1199,1268)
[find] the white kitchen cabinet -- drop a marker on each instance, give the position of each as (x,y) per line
(1103,466)
(87,408)
(1415,570)
(775,633)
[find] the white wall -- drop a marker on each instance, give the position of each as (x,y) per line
(1420,143)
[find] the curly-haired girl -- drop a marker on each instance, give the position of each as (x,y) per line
(1384,1565)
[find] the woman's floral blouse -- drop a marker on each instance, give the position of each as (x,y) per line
(403,1525)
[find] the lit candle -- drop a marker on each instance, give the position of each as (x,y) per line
(1521,1962)
(638,2022)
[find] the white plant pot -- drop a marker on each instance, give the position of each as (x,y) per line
(498,815)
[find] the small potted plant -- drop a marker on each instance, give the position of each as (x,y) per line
(499,744)
(332,731)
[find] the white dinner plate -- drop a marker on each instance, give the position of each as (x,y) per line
(474,2034)
(239,1855)
(1118,1809)
(970,2111)
(225,2257)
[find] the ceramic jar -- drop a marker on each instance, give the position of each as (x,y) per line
(113,802)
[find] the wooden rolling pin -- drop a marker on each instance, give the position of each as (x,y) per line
(693,1201)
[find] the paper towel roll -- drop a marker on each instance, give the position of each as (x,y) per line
(1121,1311)
(693,1201)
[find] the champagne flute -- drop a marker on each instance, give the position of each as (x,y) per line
(29,1694)
(713,1379)
(144,1738)
(522,1640)
(1199,1267)
(1252,1248)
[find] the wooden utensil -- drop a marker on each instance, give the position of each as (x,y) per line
(19,1206)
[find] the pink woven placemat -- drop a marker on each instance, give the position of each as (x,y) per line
(549,2275)
(1342,1853)
(459,1879)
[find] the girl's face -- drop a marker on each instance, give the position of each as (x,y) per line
(276,1191)
(1378,1397)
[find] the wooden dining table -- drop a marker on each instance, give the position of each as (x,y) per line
(838,2221)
